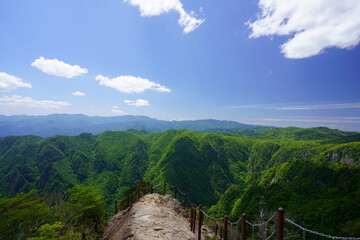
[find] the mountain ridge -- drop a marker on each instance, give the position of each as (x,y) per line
(75,124)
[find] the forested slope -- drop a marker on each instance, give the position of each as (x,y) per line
(287,167)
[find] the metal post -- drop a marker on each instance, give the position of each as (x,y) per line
(280,224)
(191,217)
(216,229)
(175,193)
(83,236)
(185,201)
(243,227)
(164,187)
(200,223)
(96,224)
(225,227)
(194,220)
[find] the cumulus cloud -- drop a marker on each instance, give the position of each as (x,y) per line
(10,83)
(312,24)
(58,68)
(78,94)
(131,84)
(16,101)
(137,103)
(187,20)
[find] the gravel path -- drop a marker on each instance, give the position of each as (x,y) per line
(153,217)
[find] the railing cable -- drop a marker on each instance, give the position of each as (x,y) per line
(319,234)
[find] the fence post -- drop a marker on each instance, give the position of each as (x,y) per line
(185,197)
(83,236)
(225,227)
(138,194)
(243,227)
(191,217)
(175,193)
(216,229)
(280,224)
(164,187)
(194,220)
(96,224)
(151,189)
(200,223)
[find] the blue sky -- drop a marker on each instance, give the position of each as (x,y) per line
(279,62)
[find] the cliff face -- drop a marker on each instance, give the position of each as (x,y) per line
(152,217)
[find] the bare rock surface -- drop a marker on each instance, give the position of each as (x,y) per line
(153,217)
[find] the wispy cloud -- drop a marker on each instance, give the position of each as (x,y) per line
(131,84)
(117,111)
(248,106)
(318,107)
(302,107)
(78,94)
(137,103)
(10,83)
(355,120)
(16,101)
(58,68)
(312,24)
(187,20)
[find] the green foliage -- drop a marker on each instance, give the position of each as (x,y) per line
(313,193)
(43,218)
(21,215)
(313,168)
(85,202)
(48,232)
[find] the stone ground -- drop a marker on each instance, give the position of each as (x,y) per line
(153,217)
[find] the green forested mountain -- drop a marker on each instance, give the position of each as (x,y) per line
(313,173)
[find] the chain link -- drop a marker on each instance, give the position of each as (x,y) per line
(213,218)
(260,224)
(317,233)
(234,223)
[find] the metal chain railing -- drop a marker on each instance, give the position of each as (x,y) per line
(318,233)
(260,224)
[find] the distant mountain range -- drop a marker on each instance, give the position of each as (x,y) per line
(75,124)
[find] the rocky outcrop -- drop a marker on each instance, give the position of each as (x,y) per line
(153,217)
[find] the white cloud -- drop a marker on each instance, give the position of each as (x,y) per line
(117,111)
(312,24)
(58,68)
(11,83)
(131,84)
(157,7)
(303,107)
(319,107)
(78,93)
(137,103)
(315,120)
(16,101)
